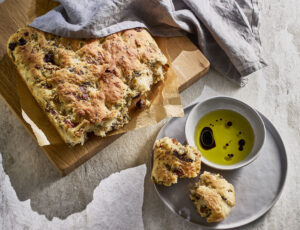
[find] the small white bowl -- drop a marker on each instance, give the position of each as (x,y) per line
(227,103)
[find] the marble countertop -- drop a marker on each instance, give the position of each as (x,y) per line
(274,91)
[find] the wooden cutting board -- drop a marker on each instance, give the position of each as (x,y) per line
(187,61)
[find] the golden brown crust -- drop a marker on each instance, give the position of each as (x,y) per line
(223,188)
(87,85)
(213,197)
(172,160)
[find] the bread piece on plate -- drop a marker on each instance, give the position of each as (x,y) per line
(172,160)
(87,85)
(213,197)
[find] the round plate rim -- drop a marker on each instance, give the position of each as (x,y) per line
(259,214)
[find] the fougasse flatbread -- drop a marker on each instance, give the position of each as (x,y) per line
(88,85)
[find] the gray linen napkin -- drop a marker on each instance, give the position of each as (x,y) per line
(226,30)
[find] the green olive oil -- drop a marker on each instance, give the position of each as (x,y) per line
(224,137)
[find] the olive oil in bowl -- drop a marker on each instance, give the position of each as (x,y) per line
(224,137)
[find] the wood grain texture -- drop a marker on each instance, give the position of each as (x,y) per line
(187,61)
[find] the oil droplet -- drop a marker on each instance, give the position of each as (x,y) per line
(242,142)
(228,157)
(207,139)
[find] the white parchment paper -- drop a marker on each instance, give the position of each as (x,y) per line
(39,134)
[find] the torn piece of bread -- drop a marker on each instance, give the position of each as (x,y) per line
(87,85)
(172,160)
(213,197)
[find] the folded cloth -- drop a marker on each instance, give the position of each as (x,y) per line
(226,30)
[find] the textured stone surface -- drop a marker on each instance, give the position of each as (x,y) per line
(104,212)
(274,91)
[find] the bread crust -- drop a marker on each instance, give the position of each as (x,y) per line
(213,197)
(171,161)
(87,85)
